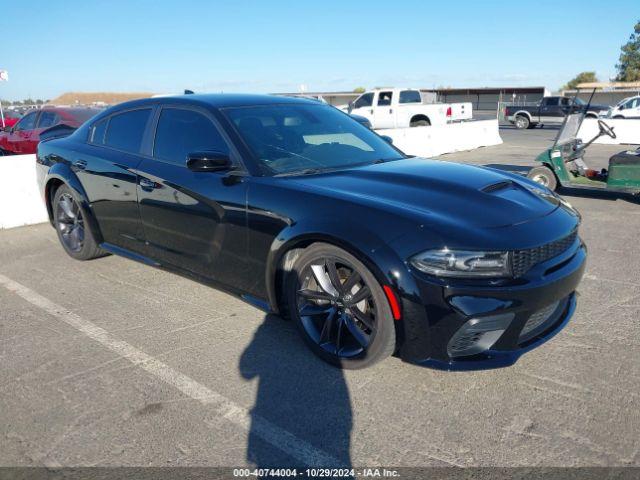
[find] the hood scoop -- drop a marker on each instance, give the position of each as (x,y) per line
(494,187)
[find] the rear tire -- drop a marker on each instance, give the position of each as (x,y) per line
(73,232)
(544,176)
(323,294)
(521,122)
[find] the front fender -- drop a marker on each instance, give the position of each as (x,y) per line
(360,241)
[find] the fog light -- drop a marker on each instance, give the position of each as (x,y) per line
(478,335)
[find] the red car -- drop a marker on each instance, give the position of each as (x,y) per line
(24,136)
(10,119)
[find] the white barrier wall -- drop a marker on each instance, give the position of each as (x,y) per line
(453,137)
(20,201)
(627,131)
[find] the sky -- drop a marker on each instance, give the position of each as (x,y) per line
(163,46)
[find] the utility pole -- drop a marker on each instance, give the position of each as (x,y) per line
(4,77)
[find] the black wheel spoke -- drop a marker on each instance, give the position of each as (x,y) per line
(339,334)
(362,318)
(327,327)
(312,310)
(360,295)
(361,337)
(351,282)
(70,223)
(314,295)
(332,272)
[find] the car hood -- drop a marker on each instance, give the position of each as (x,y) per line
(434,191)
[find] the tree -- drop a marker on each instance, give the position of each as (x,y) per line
(629,62)
(359,90)
(582,77)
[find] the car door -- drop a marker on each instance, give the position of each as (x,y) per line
(550,111)
(363,106)
(107,167)
(195,221)
(21,132)
(383,113)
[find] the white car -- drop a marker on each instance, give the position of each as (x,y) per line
(401,108)
(626,108)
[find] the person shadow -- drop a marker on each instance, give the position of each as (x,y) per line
(302,414)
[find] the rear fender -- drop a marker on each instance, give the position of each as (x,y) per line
(61,173)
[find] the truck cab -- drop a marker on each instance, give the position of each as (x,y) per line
(399,108)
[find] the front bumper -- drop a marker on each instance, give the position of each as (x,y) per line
(545,297)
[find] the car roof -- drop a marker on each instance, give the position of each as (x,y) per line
(219,100)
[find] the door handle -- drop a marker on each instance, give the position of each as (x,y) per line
(147,184)
(81,164)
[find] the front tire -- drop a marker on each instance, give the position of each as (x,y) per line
(70,224)
(420,123)
(544,176)
(339,308)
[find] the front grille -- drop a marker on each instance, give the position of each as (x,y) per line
(523,260)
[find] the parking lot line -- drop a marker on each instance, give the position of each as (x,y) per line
(285,441)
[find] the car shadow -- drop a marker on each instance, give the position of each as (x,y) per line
(297,393)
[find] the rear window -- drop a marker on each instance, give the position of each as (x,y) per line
(410,96)
(47,119)
(97,132)
(125,130)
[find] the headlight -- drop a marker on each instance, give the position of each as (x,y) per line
(463,264)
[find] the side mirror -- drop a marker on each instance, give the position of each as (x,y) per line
(350,107)
(387,139)
(208,162)
(621,107)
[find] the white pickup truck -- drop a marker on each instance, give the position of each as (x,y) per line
(400,108)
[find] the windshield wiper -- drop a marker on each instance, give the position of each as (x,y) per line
(304,171)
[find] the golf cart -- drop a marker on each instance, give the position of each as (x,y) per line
(563,163)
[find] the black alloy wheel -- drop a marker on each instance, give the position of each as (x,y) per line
(70,223)
(341,308)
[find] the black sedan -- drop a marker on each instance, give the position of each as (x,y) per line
(302,211)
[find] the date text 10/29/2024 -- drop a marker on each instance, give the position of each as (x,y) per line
(315,472)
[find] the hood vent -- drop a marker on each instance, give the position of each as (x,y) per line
(494,187)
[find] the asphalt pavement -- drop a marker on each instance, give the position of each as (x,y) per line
(111,363)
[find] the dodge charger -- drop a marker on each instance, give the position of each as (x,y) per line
(298,209)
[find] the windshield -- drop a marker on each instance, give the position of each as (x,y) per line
(579,101)
(293,138)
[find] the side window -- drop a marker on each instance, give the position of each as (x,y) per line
(181,132)
(552,102)
(633,103)
(384,99)
(565,102)
(125,130)
(28,122)
(410,96)
(365,100)
(47,119)
(96,134)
